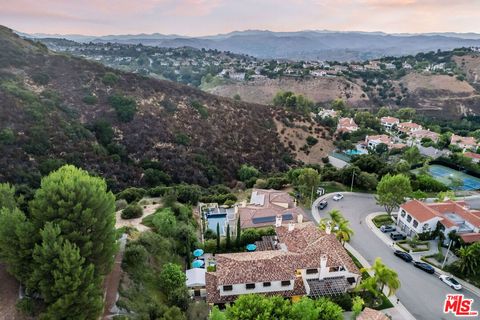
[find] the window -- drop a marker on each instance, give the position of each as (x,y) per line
(403,213)
(409,218)
(267,284)
(285,283)
(312,271)
(415,223)
(250,286)
(227,288)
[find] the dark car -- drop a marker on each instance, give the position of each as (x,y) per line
(403,255)
(397,236)
(424,266)
(322,205)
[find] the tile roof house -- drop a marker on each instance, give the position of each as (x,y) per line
(417,217)
(372,314)
(474,156)
(420,134)
(265,206)
(408,127)
(304,261)
(389,122)
(464,143)
(346,125)
(374,141)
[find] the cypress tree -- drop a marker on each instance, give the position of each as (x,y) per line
(228,241)
(239,234)
(218,237)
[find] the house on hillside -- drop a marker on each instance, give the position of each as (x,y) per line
(300,260)
(465,143)
(416,217)
(265,207)
(424,134)
(327,113)
(389,122)
(474,156)
(408,127)
(346,125)
(374,141)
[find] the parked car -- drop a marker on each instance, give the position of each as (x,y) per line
(322,205)
(424,266)
(338,197)
(403,255)
(451,282)
(397,236)
(386,228)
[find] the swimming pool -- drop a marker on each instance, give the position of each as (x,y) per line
(444,175)
(353,152)
(220,219)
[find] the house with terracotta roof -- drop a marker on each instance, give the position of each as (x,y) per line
(265,206)
(408,127)
(300,260)
(374,141)
(418,135)
(465,143)
(346,125)
(474,156)
(389,122)
(372,314)
(417,217)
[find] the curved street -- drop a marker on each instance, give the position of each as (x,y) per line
(421,293)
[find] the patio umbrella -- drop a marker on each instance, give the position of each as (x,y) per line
(251,247)
(198,252)
(198,263)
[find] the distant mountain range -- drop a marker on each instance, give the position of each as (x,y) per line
(312,45)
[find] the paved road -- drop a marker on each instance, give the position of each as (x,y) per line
(422,294)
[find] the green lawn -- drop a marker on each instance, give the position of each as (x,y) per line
(383,219)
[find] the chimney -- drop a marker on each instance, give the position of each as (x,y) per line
(323,266)
(328,228)
(291,226)
(278,221)
(300,218)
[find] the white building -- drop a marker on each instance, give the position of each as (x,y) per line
(389,122)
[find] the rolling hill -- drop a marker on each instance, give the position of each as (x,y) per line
(58,109)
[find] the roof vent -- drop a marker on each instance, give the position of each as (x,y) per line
(291,226)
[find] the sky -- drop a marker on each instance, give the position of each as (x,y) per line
(208,17)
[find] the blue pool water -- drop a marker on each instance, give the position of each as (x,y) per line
(352,152)
(220,219)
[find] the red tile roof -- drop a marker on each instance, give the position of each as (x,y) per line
(470,237)
(389,120)
(472,155)
(419,210)
(371,314)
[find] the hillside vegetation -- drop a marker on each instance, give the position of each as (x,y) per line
(58,109)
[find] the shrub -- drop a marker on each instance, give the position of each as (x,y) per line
(155,177)
(182,138)
(41,78)
(90,99)
(120,204)
(7,136)
(344,301)
(200,108)
(131,194)
(109,78)
(135,256)
(26,306)
(126,107)
(132,211)
(311,141)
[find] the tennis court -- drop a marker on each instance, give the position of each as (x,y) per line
(445,175)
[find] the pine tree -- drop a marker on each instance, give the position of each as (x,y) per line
(7,196)
(218,237)
(84,211)
(228,241)
(67,285)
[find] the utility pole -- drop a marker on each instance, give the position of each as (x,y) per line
(446,256)
(351,185)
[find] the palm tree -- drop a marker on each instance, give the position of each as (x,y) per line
(344,232)
(336,216)
(384,276)
(469,258)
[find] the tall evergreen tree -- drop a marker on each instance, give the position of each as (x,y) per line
(7,196)
(67,285)
(83,209)
(228,243)
(218,237)
(239,234)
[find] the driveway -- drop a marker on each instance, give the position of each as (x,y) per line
(422,294)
